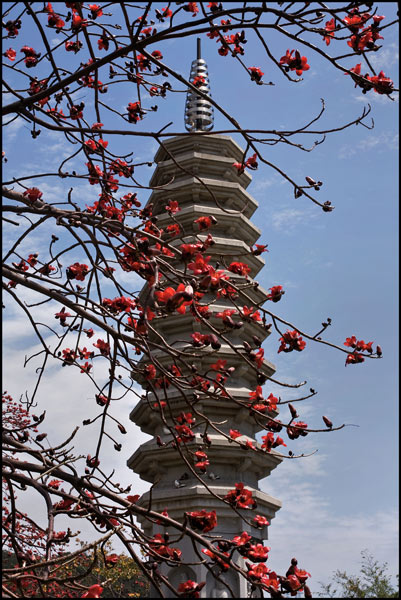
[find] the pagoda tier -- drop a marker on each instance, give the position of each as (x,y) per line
(197,171)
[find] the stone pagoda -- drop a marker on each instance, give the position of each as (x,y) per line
(197,172)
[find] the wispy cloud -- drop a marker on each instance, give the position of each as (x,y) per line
(288,219)
(386,140)
(338,540)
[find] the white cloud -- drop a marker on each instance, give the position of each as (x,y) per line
(309,526)
(386,140)
(288,219)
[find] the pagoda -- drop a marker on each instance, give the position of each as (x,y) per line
(197,172)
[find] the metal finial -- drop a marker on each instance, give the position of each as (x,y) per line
(198,111)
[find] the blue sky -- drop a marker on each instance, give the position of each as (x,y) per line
(342,265)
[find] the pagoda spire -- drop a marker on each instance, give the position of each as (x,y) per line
(198,110)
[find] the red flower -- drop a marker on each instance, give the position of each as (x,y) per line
(103,42)
(54,483)
(166,12)
(95,10)
(31,57)
(62,315)
(93,592)
(176,300)
(172,207)
(198,81)
(133,499)
(260,521)
(190,589)
(256,74)
(150,371)
(239,166)
(297,429)
(77,271)
(10,54)
(275,293)
(295,63)
(159,545)
(330,27)
(259,248)
(251,162)
(223,565)
(240,497)
(111,560)
(202,520)
(205,222)
(258,553)
(355,20)
(291,340)
(53,20)
(143,62)
(381,83)
(134,112)
(77,22)
(157,54)
(103,346)
(192,7)
(73,46)
(189,250)
(239,268)
(354,358)
(219,365)
(250,314)
(242,540)
(258,357)
(234,434)
(257,571)
(269,442)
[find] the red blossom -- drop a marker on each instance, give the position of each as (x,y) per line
(258,553)
(134,112)
(260,521)
(190,589)
(259,248)
(239,268)
(77,271)
(103,346)
(93,592)
(53,19)
(172,207)
(202,520)
(240,497)
(296,63)
(77,22)
(205,222)
(381,84)
(354,358)
(269,442)
(223,565)
(73,46)
(96,11)
(192,7)
(198,81)
(133,499)
(275,293)
(157,54)
(150,371)
(291,340)
(256,74)
(329,29)
(10,54)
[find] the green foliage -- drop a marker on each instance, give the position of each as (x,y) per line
(372,582)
